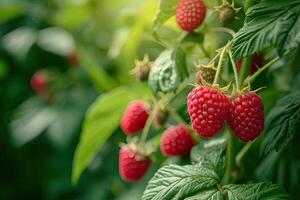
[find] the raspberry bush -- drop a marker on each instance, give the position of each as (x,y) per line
(208,120)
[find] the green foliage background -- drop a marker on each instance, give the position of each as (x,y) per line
(38,138)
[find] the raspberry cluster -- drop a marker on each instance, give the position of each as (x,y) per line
(209,108)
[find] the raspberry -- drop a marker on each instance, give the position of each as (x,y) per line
(134,118)
(39,81)
(73,58)
(190,14)
(226,14)
(205,73)
(208,109)
(142,69)
(132,165)
(256,63)
(176,141)
(246,116)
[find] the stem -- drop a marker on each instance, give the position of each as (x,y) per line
(146,130)
(250,79)
(242,153)
(229,157)
(220,64)
(214,58)
(234,71)
(159,41)
(181,37)
(245,68)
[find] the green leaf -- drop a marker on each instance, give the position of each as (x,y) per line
(32,118)
(102,119)
(177,182)
(271,23)
(261,191)
(19,41)
(168,71)
(282,124)
(165,11)
(56,40)
(210,153)
(9,12)
(194,38)
(207,195)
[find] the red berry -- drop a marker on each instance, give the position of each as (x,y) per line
(39,81)
(134,118)
(190,14)
(176,141)
(208,110)
(256,63)
(132,165)
(246,116)
(73,58)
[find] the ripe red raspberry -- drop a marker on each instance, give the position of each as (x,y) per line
(246,116)
(256,63)
(134,118)
(208,110)
(190,14)
(132,165)
(176,141)
(39,81)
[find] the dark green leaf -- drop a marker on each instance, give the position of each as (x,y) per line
(269,23)
(101,121)
(165,11)
(207,195)
(178,182)
(168,71)
(210,153)
(282,123)
(261,191)
(194,38)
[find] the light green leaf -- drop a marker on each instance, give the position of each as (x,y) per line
(56,40)
(271,23)
(207,195)
(102,119)
(165,11)
(19,41)
(168,71)
(261,191)
(177,182)
(282,124)
(32,118)
(210,153)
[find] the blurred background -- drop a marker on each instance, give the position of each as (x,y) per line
(56,58)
